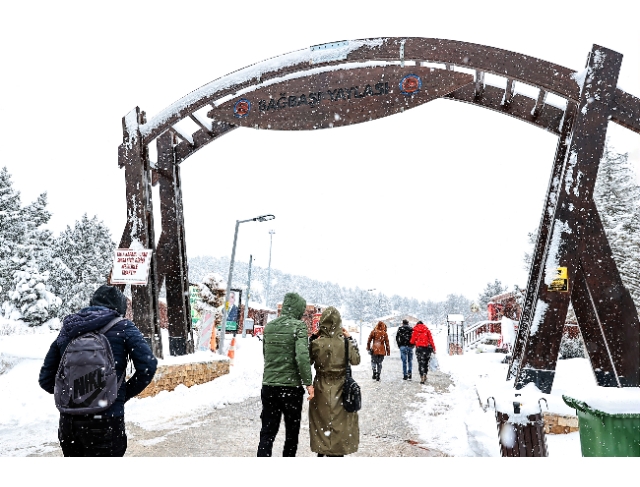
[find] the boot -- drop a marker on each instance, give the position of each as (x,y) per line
(409,376)
(374,376)
(423,378)
(378,376)
(404,377)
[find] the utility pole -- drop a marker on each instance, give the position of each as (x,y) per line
(246,305)
(271,233)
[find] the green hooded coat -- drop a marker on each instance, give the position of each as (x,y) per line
(285,346)
(332,430)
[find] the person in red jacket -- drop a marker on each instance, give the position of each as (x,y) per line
(422,339)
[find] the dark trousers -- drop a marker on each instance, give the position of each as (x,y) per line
(83,436)
(423,354)
(376,363)
(276,402)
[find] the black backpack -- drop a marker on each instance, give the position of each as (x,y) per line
(86,381)
(351,395)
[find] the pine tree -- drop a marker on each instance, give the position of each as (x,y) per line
(491,289)
(617,197)
(24,247)
(81,260)
(11,231)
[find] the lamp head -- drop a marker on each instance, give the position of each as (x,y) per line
(264,218)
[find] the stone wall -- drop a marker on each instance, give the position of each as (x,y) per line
(168,377)
(556,424)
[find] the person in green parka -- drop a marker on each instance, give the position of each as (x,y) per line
(286,371)
(333,431)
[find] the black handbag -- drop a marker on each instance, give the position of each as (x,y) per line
(351,395)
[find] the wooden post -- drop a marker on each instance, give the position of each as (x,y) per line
(539,339)
(171,256)
(542,242)
(133,156)
(615,312)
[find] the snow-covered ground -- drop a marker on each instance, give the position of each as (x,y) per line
(453,422)
(458,423)
(29,418)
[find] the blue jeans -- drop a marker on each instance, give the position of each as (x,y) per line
(406,353)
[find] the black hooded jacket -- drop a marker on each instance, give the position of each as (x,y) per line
(126,342)
(403,336)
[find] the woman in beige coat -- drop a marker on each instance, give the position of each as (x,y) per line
(333,432)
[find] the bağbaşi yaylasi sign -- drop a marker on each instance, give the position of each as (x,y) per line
(131,266)
(338,97)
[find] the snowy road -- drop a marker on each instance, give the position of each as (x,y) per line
(232,431)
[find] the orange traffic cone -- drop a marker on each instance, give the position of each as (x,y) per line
(232,350)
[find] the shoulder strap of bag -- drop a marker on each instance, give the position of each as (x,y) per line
(110,325)
(105,329)
(346,356)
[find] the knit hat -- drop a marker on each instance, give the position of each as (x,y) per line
(110,297)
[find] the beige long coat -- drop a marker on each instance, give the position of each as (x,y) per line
(332,430)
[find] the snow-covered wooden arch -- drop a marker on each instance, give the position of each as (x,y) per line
(349,82)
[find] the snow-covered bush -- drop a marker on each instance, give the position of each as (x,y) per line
(30,301)
(212,291)
(571,347)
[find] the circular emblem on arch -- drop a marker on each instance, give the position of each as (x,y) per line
(242,108)
(410,84)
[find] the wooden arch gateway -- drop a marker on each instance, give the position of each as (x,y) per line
(349,82)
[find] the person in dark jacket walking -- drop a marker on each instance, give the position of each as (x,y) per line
(101,435)
(403,339)
(378,344)
(425,346)
(287,369)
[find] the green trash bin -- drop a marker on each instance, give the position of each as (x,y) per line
(604,434)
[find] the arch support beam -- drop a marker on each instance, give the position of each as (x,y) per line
(171,254)
(574,239)
(138,232)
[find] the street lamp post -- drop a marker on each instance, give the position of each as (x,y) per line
(271,234)
(246,305)
(223,326)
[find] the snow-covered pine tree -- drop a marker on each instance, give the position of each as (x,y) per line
(24,247)
(82,257)
(617,197)
(11,231)
(491,289)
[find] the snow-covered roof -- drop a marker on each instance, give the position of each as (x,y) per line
(454,317)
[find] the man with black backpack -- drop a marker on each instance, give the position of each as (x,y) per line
(85,369)
(403,339)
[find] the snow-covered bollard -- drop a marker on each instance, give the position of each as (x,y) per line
(520,427)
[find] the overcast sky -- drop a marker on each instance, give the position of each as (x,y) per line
(393,204)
